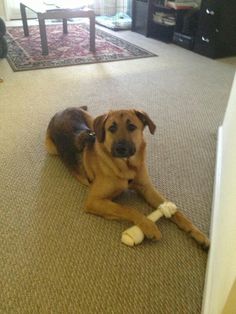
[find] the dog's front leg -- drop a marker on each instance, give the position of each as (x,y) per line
(145,187)
(100,203)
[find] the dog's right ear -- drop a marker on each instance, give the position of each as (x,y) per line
(99,127)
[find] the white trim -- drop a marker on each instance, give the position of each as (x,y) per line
(207,298)
(221,266)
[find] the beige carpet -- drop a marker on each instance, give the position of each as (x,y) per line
(54,258)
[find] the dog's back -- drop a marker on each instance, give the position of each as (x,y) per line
(67,134)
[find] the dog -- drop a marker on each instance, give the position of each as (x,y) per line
(108,155)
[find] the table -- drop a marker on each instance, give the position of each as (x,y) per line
(45,12)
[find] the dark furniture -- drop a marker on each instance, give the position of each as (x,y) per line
(143,23)
(140,15)
(216,34)
(145,19)
(211,30)
(45,12)
(157,28)
(183,40)
(3,42)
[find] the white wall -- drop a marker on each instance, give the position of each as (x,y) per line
(12,8)
(2,10)
(221,268)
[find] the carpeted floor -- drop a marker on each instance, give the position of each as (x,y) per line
(57,259)
(25,53)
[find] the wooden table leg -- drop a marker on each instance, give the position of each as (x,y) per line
(92,32)
(43,35)
(65,30)
(24,19)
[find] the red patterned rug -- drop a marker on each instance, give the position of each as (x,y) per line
(24,53)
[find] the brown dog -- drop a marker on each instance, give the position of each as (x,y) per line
(108,154)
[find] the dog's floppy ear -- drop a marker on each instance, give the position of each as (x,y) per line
(143,116)
(99,127)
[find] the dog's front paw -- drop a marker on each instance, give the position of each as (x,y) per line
(168,209)
(150,229)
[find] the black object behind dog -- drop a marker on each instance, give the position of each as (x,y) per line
(3,42)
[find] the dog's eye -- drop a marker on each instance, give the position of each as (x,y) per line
(131,127)
(113,128)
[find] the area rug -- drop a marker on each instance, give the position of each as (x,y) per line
(24,53)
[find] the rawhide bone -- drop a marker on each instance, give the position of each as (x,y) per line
(134,234)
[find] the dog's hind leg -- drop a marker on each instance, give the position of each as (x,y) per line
(50,146)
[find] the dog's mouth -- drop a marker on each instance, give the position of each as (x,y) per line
(123,149)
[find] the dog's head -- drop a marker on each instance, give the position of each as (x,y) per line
(121,131)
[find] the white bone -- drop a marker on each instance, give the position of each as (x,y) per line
(134,234)
(168,209)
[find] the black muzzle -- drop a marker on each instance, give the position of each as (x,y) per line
(123,149)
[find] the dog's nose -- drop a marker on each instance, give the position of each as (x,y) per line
(123,149)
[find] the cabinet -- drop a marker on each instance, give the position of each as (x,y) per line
(213,34)
(216,33)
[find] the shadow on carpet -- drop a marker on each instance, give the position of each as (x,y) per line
(24,53)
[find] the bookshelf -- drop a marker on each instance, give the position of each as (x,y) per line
(157,19)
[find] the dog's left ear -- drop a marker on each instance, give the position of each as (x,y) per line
(99,127)
(143,116)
